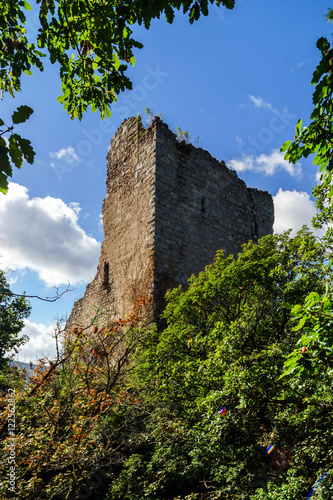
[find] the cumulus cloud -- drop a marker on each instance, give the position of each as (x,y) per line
(259,102)
(68,155)
(266,164)
(41,343)
(293,209)
(43,234)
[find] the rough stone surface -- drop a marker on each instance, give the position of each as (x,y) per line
(168,208)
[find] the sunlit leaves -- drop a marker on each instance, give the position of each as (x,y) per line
(224,345)
(84,37)
(92,43)
(314,354)
(17,55)
(317,137)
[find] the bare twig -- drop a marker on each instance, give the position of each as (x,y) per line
(46,299)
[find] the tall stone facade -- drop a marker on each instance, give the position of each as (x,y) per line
(169,207)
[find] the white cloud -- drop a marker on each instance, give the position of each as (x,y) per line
(242,164)
(266,164)
(68,155)
(43,234)
(41,344)
(259,102)
(293,209)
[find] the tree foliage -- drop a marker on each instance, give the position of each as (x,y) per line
(146,404)
(67,419)
(13,310)
(92,43)
(16,149)
(317,138)
(314,354)
(224,346)
(315,314)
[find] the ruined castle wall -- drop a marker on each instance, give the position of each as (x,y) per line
(125,269)
(168,208)
(201,206)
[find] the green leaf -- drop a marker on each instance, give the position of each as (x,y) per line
(4,161)
(285,146)
(322,44)
(14,152)
(204,7)
(3,182)
(116,61)
(194,13)
(26,148)
(169,13)
(298,127)
(21,114)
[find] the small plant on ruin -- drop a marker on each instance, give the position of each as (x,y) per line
(151,116)
(183,135)
(197,141)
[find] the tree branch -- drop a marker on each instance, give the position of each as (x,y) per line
(47,299)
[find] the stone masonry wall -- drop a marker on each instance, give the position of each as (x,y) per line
(169,207)
(201,206)
(125,269)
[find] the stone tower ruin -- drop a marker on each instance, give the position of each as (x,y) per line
(168,208)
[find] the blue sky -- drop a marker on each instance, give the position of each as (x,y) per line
(239,79)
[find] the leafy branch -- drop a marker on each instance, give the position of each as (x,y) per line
(15,149)
(317,138)
(92,43)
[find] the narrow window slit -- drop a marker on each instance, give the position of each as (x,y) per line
(203,204)
(106,275)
